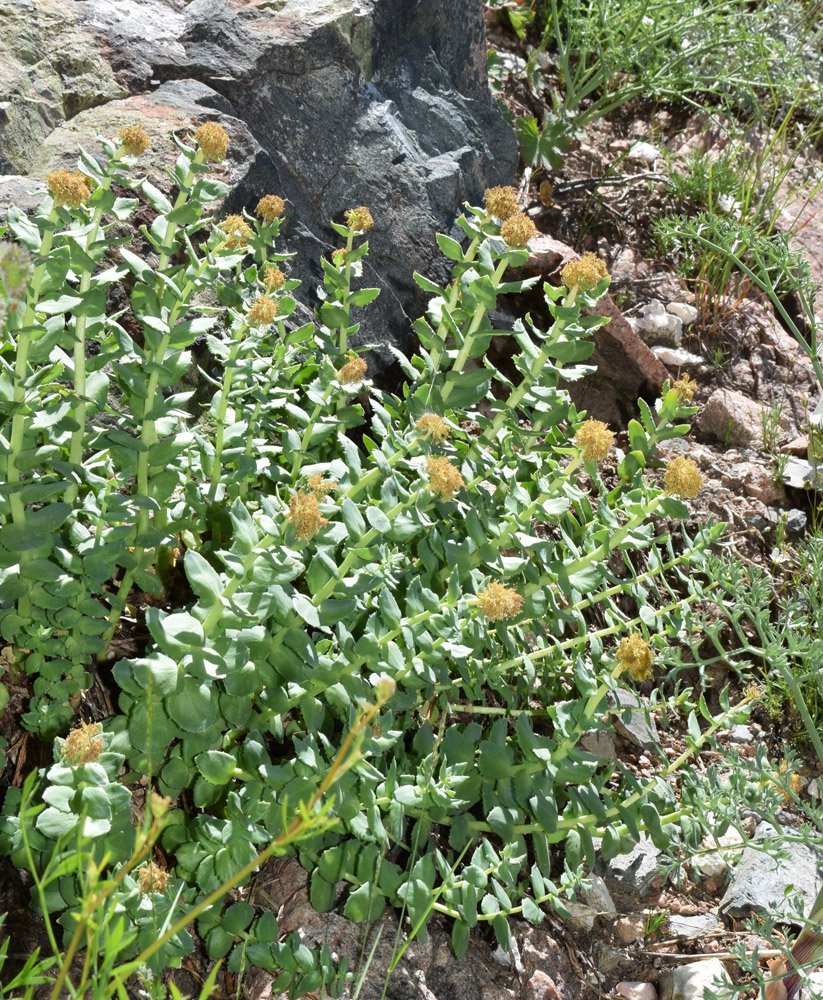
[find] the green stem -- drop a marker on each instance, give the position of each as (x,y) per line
(220,423)
(454,296)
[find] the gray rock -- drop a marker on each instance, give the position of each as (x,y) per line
(795,521)
(802,475)
(657,326)
(690,982)
(330,104)
(636,870)
(759,882)
(732,418)
(597,896)
(689,927)
(634,723)
(599,744)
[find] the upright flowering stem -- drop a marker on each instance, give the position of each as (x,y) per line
(222,409)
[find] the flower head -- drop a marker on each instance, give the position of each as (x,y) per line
(213,140)
(304,514)
(795,783)
(433,427)
(499,601)
(320,486)
(152,878)
(270,207)
(635,655)
(354,370)
(359,220)
(685,388)
(501,202)
(83,744)
(594,439)
(262,311)
(273,278)
(237,231)
(70,189)
(444,478)
(517,230)
(15,270)
(586,273)
(134,139)
(683,478)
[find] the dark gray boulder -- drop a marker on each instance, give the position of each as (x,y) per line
(328,103)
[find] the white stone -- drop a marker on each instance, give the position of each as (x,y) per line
(690,982)
(597,896)
(636,991)
(813,789)
(687,313)
(644,152)
(677,358)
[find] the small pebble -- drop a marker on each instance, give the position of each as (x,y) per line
(636,991)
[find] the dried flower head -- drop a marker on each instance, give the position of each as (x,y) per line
(320,486)
(795,783)
(354,370)
(587,272)
(237,231)
(262,311)
(444,478)
(134,139)
(683,478)
(15,270)
(635,655)
(213,140)
(273,278)
(501,202)
(594,439)
(517,230)
(70,189)
(304,514)
(546,193)
(433,427)
(152,878)
(270,207)
(499,601)
(83,744)
(685,388)
(359,220)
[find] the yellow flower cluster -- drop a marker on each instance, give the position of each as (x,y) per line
(587,272)
(685,388)
(359,220)
(498,601)
(273,278)
(304,514)
(501,202)
(270,207)
(213,140)
(517,230)
(354,370)
(134,139)
(795,781)
(320,487)
(434,428)
(237,231)
(152,878)
(262,311)
(83,744)
(70,189)
(444,478)
(635,655)
(594,439)
(683,478)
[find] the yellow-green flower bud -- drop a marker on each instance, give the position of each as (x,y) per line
(683,478)
(359,220)
(635,656)
(685,388)
(83,744)
(498,601)
(586,273)
(213,140)
(134,139)
(354,370)
(237,231)
(273,278)
(517,230)
(433,427)
(263,310)
(270,207)
(444,478)
(501,202)
(594,439)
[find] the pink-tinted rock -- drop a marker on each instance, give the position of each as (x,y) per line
(540,987)
(732,418)
(636,991)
